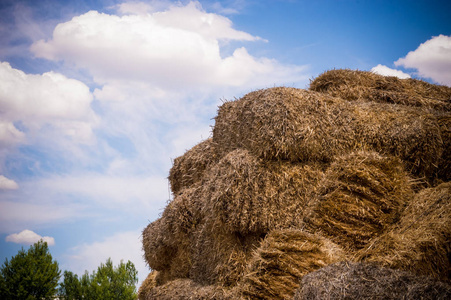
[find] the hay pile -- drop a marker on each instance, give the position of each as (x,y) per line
(293,181)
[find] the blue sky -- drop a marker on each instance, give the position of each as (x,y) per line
(98,97)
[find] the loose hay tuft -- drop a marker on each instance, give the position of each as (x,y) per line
(282,259)
(362,195)
(420,241)
(360,85)
(345,280)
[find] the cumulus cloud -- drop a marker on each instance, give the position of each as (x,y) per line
(29,237)
(178,47)
(120,246)
(386,71)
(432,59)
(7,184)
(159,75)
(47,102)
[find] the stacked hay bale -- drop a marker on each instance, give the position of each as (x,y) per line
(420,241)
(293,181)
(282,259)
(362,195)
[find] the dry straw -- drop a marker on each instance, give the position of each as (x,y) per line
(220,257)
(298,125)
(359,85)
(346,280)
(190,167)
(167,241)
(444,166)
(362,195)
(285,124)
(420,241)
(338,160)
(185,289)
(247,195)
(148,284)
(282,259)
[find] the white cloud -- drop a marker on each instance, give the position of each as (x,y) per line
(386,71)
(10,135)
(432,59)
(121,246)
(159,78)
(7,184)
(29,237)
(44,105)
(173,49)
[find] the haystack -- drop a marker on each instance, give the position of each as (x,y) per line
(293,181)
(362,195)
(298,125)
(346,280)
(359,85)
(420,241)
(282,259)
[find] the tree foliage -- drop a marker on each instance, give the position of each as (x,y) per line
(30,275)
(108,282)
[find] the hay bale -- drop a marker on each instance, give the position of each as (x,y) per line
(360,85)
(285,124)
(189,168)
(185,289)
(167,241)
(346,280)
(282,259)
(363,194)
(247,195)
(420,241)
(411,134)
(220,257)
(298,125)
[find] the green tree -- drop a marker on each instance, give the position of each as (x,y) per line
(30,275)
(71,286)
(108,282)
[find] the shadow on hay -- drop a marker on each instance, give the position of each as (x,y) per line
(346,280)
